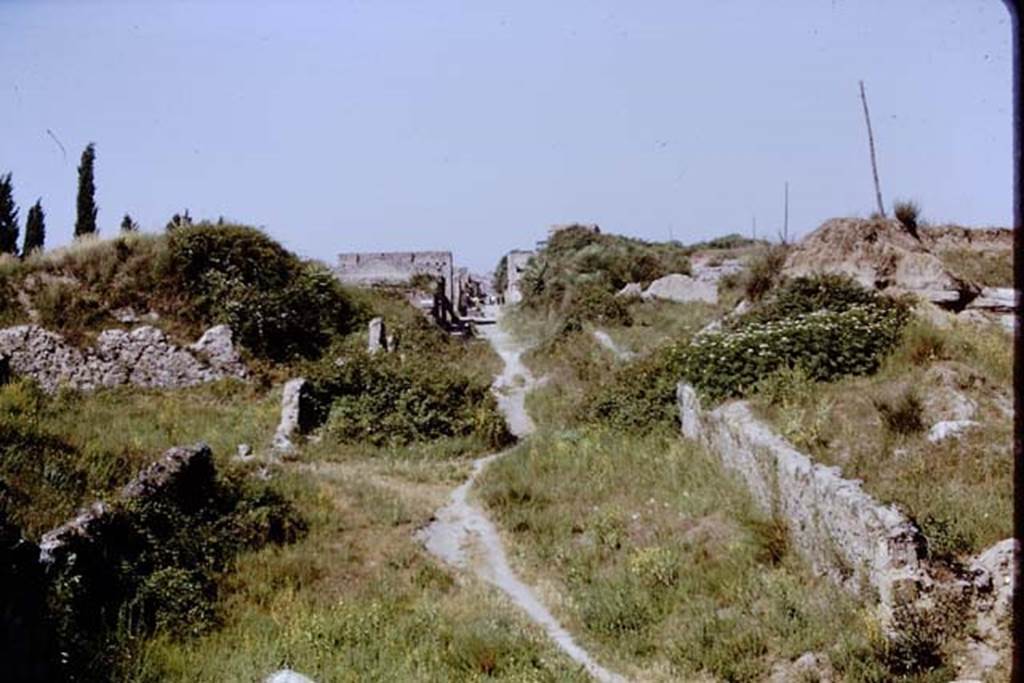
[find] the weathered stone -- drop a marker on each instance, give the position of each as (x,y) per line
(949,429)
(631,290)
(810,666)
(516,262)
(995,299)
(143,357)
(183,472)
(682,288)
(244,452)
(838,528)
(295,417)
(217,347)
(287,676)
(991,641)
(879,254)
(377,340)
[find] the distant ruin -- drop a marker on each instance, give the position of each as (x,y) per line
(396,267)
(516,263)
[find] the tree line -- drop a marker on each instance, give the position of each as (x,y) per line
(35,221)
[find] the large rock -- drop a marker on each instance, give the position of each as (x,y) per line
(879,254)
(990,642)
(995,300)
(287,676)
(295,414)
(143,357)
(682,288)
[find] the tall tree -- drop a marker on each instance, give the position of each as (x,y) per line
(8,217)
(85,224)
(128,225)
(35,229)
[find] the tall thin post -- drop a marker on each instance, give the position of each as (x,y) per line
(785,216)
(871,145)
(753,227)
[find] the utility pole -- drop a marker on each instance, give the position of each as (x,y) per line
(753,227)
(871,145)
(785,216)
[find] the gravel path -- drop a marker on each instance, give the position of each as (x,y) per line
(463,537)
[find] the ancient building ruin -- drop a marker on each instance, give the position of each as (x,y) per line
(396,267)
(516,263)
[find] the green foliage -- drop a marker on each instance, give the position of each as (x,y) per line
(763,271)
(578,270)
(501,275)
(949,539)
(988,269)
(8,217)
(85,223)
(804,295)
(128,225)
(907,213)
(385,400)
(278,306)
(903,415)
(591,302)
(826,344)
(35,229)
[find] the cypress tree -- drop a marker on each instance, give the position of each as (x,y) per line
(8,217)
(128,225)
(85,224)
(35,229)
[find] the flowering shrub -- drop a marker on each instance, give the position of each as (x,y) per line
(826,344)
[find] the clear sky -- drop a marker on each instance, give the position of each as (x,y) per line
(472,126)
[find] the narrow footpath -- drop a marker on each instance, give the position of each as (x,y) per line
(463,537)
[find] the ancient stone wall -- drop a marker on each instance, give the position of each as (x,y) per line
(142,357)
(516,263)
(838,528)
(394,267)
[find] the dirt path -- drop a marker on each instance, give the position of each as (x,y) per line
(463,537)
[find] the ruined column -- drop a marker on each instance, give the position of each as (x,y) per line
(378,339)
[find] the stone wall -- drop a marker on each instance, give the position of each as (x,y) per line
(142,357)
(835,526)
(870,549)
(394,267)
(516,263)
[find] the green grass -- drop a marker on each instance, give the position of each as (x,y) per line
(989,269)
(358,599)
(662,565)
(960,490)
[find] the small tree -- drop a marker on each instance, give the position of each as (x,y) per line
(8,217)
(35,229)
(85,224)
(178,221)
(128,225)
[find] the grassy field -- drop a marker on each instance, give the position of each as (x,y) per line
(656,557)
(358,599)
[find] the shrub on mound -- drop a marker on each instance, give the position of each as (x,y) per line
(279,307)
(828,327)
(387,400)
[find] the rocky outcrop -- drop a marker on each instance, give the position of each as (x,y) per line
(883,255)
(182,473)
(682,288)
(142,357)
(943,238)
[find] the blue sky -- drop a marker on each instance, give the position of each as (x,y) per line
(472,126)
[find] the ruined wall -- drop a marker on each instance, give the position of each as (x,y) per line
(516,265)
(143,357)
(839,529)
(394,267)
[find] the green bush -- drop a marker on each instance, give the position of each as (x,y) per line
(385,400)
(804,295)
(592,303)
(278,306)
(907,213)
(827,344)
(903,415)
(764,271)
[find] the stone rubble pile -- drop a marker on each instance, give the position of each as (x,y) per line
(143,357)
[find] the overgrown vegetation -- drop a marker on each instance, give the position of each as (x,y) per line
(907,212)
(665,567)
(579,271)
(988,269)
(280,307)
(162,559)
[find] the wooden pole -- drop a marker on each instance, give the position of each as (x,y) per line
(785,217)
(871,146)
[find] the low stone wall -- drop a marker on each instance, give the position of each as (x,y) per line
(834,525)
(142,357)
(868,548)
